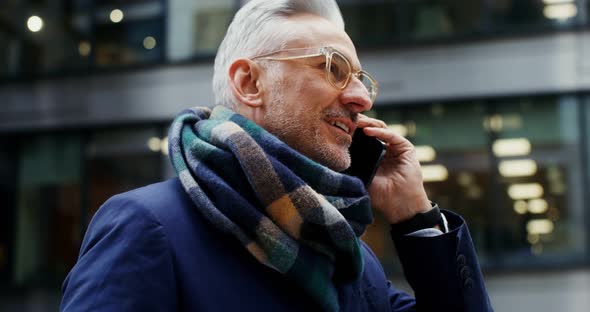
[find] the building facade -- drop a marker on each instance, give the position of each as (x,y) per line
(494,94)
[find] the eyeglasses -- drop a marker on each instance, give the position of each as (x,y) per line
(338,68)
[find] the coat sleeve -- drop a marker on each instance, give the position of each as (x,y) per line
(443,270)
(125,263)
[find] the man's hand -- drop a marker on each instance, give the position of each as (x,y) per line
(397,189)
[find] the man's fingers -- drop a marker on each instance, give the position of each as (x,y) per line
(386,135)
(364,121)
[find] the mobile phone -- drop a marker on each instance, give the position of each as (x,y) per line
(365,154)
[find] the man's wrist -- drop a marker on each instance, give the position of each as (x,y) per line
(429,219)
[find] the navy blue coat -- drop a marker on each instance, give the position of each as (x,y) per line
(150,250)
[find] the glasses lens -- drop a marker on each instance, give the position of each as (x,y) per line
(339,70)
(369,84)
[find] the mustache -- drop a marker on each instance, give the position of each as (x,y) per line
(341,113)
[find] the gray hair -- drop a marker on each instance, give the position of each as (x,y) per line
(254,31)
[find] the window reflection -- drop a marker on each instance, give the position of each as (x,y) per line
(541,199)
(511,167)
(52,37)
(128,32)
(460,176)
(121,160)
(47,227)
(371,23)
(197,27)
(435,19)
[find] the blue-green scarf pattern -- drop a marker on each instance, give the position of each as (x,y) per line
(292,214)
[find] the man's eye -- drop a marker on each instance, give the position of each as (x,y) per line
(334,70)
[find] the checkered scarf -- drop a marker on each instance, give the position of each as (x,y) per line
(291,213)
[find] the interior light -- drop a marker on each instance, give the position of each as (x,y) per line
(434,173)
(474,192)
(399,129)
(525,191)
(84,48)
(517,168)
(520,207)
(539,226)
(149,42)
(116,16)
(425,153)
(511,147)
(154,144)
(494,123)
(538,205)
(533,238)
(164,146)
(35,23)
(411,126)
(465,178)
(560,11)
(557,1)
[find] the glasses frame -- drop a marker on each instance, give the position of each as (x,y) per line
(328,52)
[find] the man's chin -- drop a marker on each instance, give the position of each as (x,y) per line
(336,160)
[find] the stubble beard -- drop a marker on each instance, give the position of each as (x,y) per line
(301,137)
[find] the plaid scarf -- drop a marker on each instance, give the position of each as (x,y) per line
(291,213)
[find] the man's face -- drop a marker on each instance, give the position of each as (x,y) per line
(303,109)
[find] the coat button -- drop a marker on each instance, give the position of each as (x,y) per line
(461,260)
(465,272)
(468,284)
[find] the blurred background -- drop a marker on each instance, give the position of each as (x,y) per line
(495,94)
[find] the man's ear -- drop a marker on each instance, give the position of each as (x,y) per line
(244,82)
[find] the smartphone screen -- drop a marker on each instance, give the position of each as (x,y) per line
(365,153)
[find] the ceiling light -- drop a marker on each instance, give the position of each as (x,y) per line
(557,1)
(538,205)
(511,147)
(35,23)
(84,48)
(465,178)
(149,42)
(154,144)
(517,168)
(399,129)
(525,191)
(164,146)
(116,16)
(520,207)
(540,226)
(434,173)
(560,11)
(425,153)
(494,123)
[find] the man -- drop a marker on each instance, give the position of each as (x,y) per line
(260,217)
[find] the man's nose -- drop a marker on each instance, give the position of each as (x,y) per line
(356,96)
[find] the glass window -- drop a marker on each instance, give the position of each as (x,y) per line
(514,15)
(121,160)
(371,23)
(128,32)
(196,28)
(540,205)
(48,201)
(429,19)
(452,146)
(511,167)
